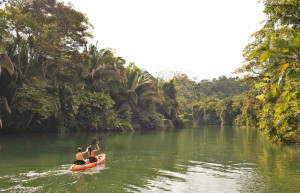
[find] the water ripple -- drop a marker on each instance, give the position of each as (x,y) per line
(22,182)
(21,188)
(207,177)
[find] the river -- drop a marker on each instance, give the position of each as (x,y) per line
(204,159)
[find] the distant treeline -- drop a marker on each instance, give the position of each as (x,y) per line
(53,79)
(217,102)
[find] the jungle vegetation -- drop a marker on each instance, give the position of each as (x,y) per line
(53,79)
(272,65)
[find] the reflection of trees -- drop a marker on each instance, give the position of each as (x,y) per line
(141,158)
(275,163)
(43,148)
(266,166)
(279,164)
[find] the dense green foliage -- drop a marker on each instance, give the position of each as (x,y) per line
(208,102)
(272,64)
(51,80)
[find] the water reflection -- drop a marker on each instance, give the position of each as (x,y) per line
(231,160)
(205,159)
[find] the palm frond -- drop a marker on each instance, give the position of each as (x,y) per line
(124,107)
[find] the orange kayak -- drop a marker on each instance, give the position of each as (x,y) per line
(100,158)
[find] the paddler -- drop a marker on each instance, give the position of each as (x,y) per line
(79,156)
(92,152)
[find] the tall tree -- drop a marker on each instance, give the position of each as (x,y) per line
(273,65)
(40,45)
(107,71)
(170,107)
(138,89)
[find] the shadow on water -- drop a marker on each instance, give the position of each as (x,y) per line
(205,159)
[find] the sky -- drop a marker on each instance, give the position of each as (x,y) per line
(201,38)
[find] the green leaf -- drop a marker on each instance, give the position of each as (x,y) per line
(297,41)
(283,67)
(266,55)
(261,97)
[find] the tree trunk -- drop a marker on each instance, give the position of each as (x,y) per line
(29,121)
(12,100)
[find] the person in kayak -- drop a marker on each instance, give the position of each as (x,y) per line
(92,152)
(79,156)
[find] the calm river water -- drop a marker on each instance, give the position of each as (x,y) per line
(204,159)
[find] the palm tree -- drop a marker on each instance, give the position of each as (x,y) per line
(170,107)
(106,70)
(137,91)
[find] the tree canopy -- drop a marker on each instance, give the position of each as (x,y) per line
(272,64)
(51,78)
